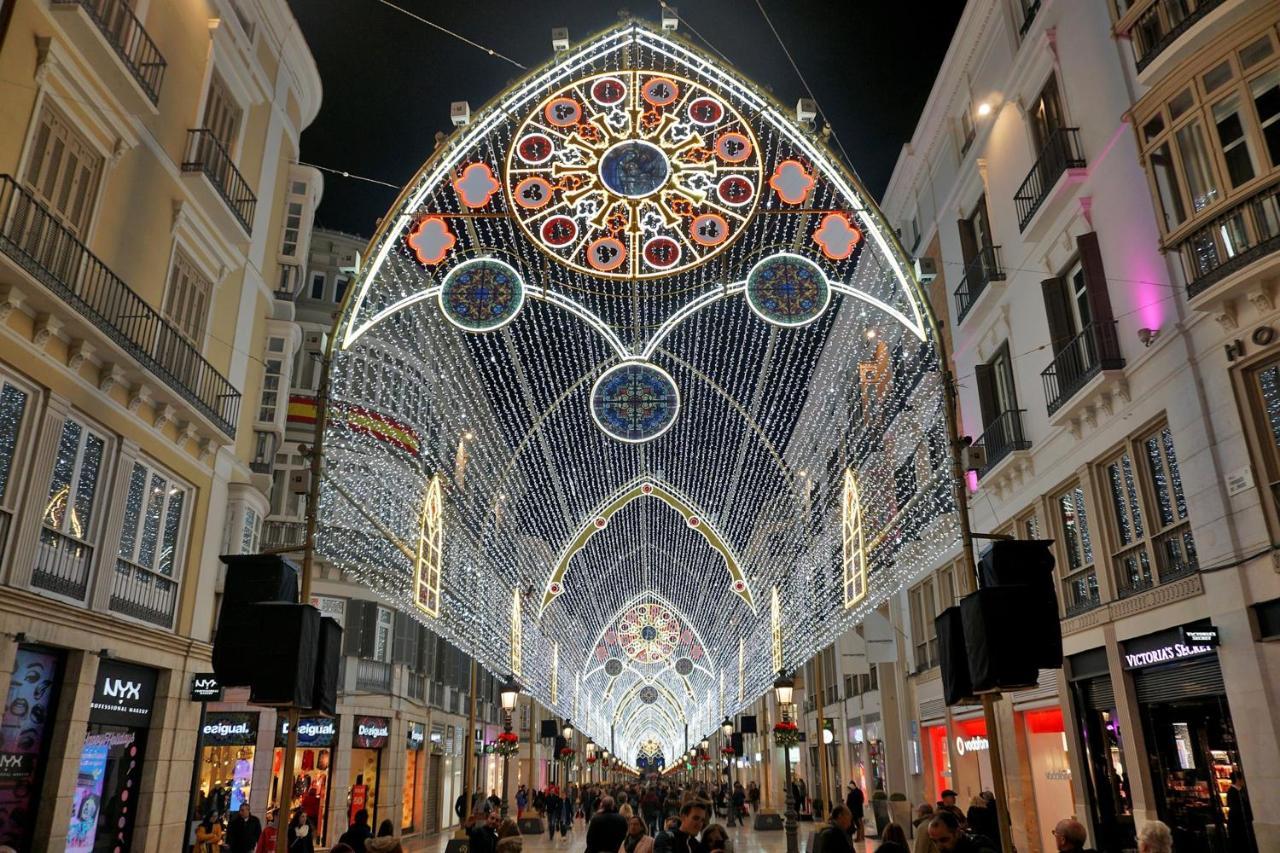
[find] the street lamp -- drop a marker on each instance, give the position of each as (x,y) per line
(784,689)
(568,730)
(726,728)
(509,694)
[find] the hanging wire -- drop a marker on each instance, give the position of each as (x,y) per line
(450,32)
(685,21)
(346,174)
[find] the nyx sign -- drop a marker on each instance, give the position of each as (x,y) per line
(123,694)
(205,687)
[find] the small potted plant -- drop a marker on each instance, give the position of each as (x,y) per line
(900,810)
(880,810)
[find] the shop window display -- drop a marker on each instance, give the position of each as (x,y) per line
(24,740)
(368,739)
(226,763)
(415,739)
(316,738)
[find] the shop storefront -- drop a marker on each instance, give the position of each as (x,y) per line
(415,740)
(369,736)
(1190,736)
(1049,762)
(105,800)
(1102,743)
(972,769)
(25,727)
(224,762)
(311,767)
(934,736)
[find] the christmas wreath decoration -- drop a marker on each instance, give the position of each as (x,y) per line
(568,756)
(506,744)
(786,734)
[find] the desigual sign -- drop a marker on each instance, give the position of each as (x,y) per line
(231,728)
(971,744)
(371,732)
(312,732)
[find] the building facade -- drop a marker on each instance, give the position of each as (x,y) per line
(1097,182)
(146,195)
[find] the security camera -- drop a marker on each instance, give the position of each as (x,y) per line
(460,113)
(806,110)
(670,18)
(926,269)
(559,39)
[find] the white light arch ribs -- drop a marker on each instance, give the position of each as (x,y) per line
(700,234)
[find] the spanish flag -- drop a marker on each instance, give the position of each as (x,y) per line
(302,410)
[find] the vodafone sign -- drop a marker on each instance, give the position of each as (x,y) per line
(977,743)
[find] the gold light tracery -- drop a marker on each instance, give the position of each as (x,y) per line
(429,558)
(855,555)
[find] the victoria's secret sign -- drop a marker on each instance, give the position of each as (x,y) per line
(1171,646)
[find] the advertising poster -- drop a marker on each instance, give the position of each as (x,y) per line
(86,802)
(24,728)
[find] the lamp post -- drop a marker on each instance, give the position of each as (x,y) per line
(509,694)
(705,748)
(784,689)
(726,728)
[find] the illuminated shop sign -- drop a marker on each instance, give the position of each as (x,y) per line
(1171,646)
(371,732)
(977,743)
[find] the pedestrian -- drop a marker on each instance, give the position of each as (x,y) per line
(715,839)
(947,798)
(856,801)
(663,839)
(509,840)
(358,832)
(637,839)
(208,835)
(983,821)
(920,826)
(835,837)
(386,828)
(1070,836)
(737,804)
(1155,837)
(522,801)
(1239,817)
(606,830)
(948,836)
(243,831)
(693,817)
(568,806)
(483,832)
(753,796)
(893,839)
(551,802)
(300,838)
(384,844)
(341,848)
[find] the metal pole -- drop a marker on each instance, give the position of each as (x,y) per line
(766,779)
(505,759)
(789,821)
(824,771)
(468,756)
(284,797)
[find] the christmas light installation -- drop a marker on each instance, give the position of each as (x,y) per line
(608,211)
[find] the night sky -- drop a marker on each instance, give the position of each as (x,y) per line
(388,80)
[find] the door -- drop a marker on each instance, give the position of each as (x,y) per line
(1046,116)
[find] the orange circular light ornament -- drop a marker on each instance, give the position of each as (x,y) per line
(533,193)
(709,229)
(660,91)
(606,254)
(733,147)
(837,236)
(562,112)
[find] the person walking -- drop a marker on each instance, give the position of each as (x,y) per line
(983,820)
(522,801)
(920,826)
(606,830)
(1155,837)
(753,796)
(693,817)
(1239,817)
(483,832)
(948,837)
(568,805)
(893,839)
(300,838)
(358,832)
(664,838)
(209,835)
(243,831)
(835,837)
(855,800)
(637,839)
(737,804)
(552,803)
(715,839)
(1070,836)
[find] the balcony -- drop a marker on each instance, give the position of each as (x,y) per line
(1081,592)
(981,271)
(1162,24)
(373,676)
(290,282)
(1175,558)
(1237,238)
(207,155)
(63,565)
(115,21)
(278,533)
(55,257)
(1060,153)
(1085,356)
(143,594)
(1003,436)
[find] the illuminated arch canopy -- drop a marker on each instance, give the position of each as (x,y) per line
(632,271)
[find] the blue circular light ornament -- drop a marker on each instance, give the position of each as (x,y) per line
(481,295)
(787,290)
(635,401)
(634,168)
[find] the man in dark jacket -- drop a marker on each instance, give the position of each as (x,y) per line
(693,817)
(834,837)
(1070,835)
(606,830)
(358,832)
(483,833)
(553,805)
(856,802)
(948,837)
(1239,817)
(243,831)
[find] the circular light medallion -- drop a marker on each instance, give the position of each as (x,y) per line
(533,193)
(608,91)
(661,253)
(787,290)
(648,694)
(535,149)
(705,112)
(684,666)
(559,231)
(481,295)
(613,667)
(635,401)
(563,112)
(634,168)
(648,633)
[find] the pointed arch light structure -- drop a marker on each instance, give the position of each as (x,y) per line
(633,276)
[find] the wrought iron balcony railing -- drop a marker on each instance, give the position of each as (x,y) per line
(126,35)
(1233,240)
(1095,349)
(1082,592)
(1003,436)
(206,154)
(143,594)
(51,253)
(1060,153)
(63,564)
(1162,24)
(277,533)
(982,270)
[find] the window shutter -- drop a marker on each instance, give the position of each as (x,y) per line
(988,403)
(968,243)
(1058,312)
(353,628)
(404,639)
(1095,278)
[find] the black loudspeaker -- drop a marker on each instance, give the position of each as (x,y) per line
(956,686)
(1028,563)
(995,638)
(284,659)
(324,695)
(747,724)
(254,578)
(735,740)
(550,728)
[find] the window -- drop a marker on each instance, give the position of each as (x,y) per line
(1028,525)
(1148,513)
(998,404)
(284,502)
(186,300)
(382,635)
(292,229)
(153,516)
(72,499)
(317,285)
(13,409)
(923,631)
(1079,577)
(272,373)
(1265,91)
(249,533)
(222,114)
(63,170)
(339,288)
(967,131)
(1236,150)
(1046,116)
